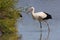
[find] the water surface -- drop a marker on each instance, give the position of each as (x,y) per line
(30,28)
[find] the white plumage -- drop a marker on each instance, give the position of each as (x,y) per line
(40,16)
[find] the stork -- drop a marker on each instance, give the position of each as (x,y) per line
(40,16)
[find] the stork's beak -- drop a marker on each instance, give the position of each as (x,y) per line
(28,11)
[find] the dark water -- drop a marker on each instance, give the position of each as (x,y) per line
(30,28)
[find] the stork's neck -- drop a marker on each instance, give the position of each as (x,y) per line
(33,12)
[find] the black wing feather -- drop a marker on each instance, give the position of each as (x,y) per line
(48,16)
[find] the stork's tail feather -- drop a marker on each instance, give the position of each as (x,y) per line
(48,16)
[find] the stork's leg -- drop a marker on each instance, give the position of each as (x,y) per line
(40,25)
(47,25)
(41,31)
(48,30)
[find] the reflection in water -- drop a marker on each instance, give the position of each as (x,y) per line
(32,35)
(41,35)
(47,36)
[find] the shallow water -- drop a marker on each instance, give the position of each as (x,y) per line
(30,29)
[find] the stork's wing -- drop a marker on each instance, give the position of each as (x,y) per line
(41,14)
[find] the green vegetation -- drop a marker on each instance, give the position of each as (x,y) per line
(8,17)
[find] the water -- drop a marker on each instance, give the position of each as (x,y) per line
(30,28)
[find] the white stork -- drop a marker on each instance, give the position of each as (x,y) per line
(40,16)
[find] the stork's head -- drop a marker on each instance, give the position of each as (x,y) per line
(30,9)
